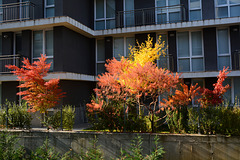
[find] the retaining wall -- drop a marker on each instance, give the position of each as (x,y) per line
(177,147)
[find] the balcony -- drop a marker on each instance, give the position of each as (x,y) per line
(16,12)
(151,16)
(9,60)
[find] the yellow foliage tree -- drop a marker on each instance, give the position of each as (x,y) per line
(147,52)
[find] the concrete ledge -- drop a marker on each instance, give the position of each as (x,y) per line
(177,147)
(88,32)
(55,75)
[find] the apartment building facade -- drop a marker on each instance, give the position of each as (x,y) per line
(77,36)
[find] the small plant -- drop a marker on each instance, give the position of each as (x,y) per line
(55,120)
(136,151)
(92,153)
(68,117)
(46,152)
(8,148)
(157,151)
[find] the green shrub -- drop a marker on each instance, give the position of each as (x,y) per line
(215,120)
(111,118)
(17,115)
(178,120)
(68,117)
(55,120)
(8,148)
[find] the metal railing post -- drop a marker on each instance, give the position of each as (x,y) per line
(61,118)
(6,116)
(199,120)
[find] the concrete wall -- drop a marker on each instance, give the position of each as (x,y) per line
(73,52)
(177,147)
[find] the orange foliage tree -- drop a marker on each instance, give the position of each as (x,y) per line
(137,78)
(38,93)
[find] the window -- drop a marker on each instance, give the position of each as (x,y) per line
(104,14)
(190,51)
(100,58)
(49,8)
(43,44)
(223,46)
(195,12)
(164,60)
(227,8)
(168,11)
(121,46)
(129,13)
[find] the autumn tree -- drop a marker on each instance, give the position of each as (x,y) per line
(38,93)
(215,97)
(137,78)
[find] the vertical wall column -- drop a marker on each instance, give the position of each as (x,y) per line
(27,44)
(208,9)
(210,49)
(7,43)
(172,48)
(108,47)
(185,5)
(10,90)
(235,46)
(141,38)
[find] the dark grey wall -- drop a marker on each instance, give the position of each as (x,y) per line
(80,10)
(39,8)
(108,47)
(185,4)
(73,52)
(235,45)
(7,42)
(139,4)
(26,43)
(9,1)
(77,92)
(172,48)
(209,82)
(141,38)
(208,9)
(119,5)
(10,90)
(210,49)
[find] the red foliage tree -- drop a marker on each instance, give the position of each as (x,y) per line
(182,97)
(215,97)
(38,93)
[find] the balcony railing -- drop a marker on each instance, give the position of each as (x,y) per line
(16,12)
(151,16)
(9,60)
(166,62)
